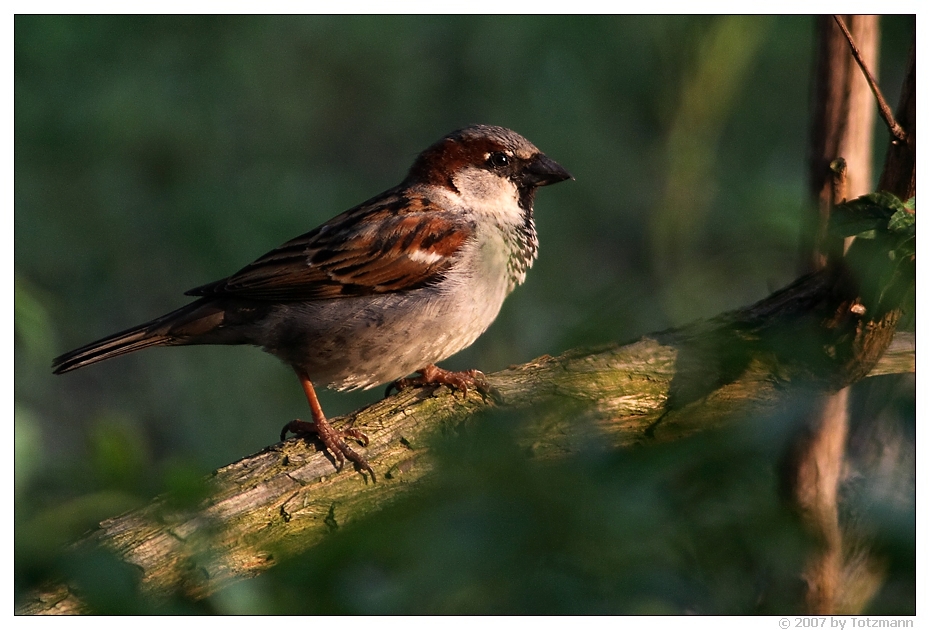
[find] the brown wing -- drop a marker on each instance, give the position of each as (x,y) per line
(388,244)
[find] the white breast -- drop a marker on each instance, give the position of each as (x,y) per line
(361,342)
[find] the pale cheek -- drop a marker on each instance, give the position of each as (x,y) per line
(488,194)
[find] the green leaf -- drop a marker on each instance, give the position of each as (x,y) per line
(906,247)
(902,221)
(869,212)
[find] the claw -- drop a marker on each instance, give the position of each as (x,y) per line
(461,381)
(333,441)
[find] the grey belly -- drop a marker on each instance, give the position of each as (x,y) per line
(350,343)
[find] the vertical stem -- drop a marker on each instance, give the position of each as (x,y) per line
(843,118)
(900,175)
(840,168)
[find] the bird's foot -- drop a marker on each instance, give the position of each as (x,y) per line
(461,381)
(333,441)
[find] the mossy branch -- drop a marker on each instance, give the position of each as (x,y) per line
(288,497)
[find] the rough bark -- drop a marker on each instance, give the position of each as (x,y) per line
(288,498)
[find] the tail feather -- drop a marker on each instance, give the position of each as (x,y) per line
(113,346)
(175,328)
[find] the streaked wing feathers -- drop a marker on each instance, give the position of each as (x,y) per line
(392,243)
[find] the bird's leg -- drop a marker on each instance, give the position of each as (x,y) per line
(333,440)
(432,375)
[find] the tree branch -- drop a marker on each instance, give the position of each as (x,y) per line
(288,498)
(899,175)
(896,130)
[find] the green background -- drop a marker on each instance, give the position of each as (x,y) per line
(153,155)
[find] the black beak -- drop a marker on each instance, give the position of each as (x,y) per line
(542,171)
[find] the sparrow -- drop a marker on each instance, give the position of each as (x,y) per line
(387,288)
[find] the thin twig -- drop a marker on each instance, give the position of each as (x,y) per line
(896,130)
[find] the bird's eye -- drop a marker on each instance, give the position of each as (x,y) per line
(499,159)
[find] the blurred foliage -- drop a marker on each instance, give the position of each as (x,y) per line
(154,154)
(880,211)
(661,530)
